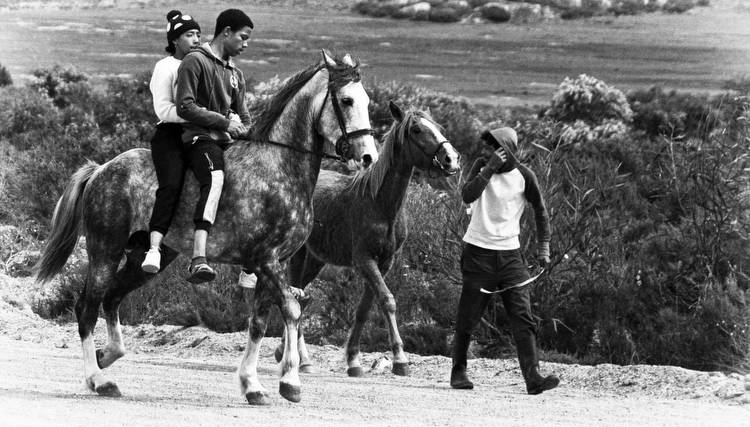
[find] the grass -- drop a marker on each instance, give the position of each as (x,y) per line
(499,64)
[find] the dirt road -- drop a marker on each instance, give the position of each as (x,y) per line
(42,385)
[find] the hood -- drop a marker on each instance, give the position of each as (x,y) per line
(205,49)
(508,139)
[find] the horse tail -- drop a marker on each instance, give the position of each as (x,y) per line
(65,226)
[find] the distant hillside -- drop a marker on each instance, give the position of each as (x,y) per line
(89,4)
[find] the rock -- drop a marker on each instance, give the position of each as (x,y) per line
(729,390)
(460,6)
(567,4)
(495,12)
(417,11)
(381,365)
(445,14)
(736,376)
(22,263)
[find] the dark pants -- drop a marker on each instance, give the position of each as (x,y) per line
(491,270)
(206,159)
(168,154)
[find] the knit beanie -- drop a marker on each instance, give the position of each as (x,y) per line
(177,24)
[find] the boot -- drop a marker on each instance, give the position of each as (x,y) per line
(459,380)
(529,361)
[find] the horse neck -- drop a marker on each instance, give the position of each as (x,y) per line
(392,192)
(296,127)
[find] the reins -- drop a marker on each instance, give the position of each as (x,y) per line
(343,146)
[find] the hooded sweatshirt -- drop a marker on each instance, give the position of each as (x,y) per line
(209,91)
(498,199)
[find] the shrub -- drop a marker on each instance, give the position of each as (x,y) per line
(588,99)
(679,6)
(673,114)
(63,84)
(5,79)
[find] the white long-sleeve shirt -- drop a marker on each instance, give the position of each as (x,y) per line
(163,87)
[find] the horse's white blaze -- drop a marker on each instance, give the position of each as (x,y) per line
(357,117)
(434,129)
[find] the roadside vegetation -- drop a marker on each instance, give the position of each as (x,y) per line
(491,11)
(648,192)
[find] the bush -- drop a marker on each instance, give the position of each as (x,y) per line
(672,114)
(5,79)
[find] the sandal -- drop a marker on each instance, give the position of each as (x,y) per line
(201,273)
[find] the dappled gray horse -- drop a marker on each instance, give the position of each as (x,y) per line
(264,216)
(360,223)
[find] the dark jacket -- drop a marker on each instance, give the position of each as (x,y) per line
(208,90)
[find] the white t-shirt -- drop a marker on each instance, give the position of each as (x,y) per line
(163,87)
(496,214)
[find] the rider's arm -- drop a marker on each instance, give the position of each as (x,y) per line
(188,78)
(162,92)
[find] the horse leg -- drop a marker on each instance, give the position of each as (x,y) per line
(250,385)
(303,269)
(100,275)
(372,274)
(127,279)
(354,369)
(289,385)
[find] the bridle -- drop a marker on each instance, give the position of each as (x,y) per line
(343,144)
(435,162)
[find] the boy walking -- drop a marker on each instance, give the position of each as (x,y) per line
(498,187)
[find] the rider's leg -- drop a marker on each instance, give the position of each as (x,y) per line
(169,163)
(207,163)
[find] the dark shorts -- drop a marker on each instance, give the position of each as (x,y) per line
(492,269)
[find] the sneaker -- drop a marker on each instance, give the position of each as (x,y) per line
(152,263)
(201,273)
(247,280)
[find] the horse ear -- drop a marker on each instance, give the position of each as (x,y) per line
(396,111)
(348,60)
(330,62)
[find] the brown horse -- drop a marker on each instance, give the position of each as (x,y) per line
(360,223)
(264,216)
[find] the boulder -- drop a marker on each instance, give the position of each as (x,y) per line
(445,14)
(567,4)
(461,6)
(495,12)
(417,11)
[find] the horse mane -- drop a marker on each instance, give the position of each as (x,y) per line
(370,180)
(269,110)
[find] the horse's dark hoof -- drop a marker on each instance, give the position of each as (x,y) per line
(108,389)
(355,372)
(99,356)
(401,369)
(290,392)
(278,354)
(257,398)
(307,369)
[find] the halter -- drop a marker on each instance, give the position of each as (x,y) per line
(434,161)
(343,145)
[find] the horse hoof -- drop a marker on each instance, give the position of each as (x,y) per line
(278,354)
(355,372)
(108,389)
(290,392)
(257,398)
(99,357)
(307,369)
(401,369)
